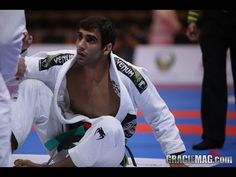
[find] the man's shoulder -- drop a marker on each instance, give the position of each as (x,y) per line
(134,73)
(122,62)
(55,58)
(48,59)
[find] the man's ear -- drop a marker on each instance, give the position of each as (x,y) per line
(107,49)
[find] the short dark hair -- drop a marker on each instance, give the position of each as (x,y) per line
(103,24)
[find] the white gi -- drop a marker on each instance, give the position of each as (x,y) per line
(129,82)
(12,24)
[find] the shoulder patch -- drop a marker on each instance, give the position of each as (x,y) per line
(52,60)
(131,73)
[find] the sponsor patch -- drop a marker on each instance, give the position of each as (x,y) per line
(132,73)
(52,60)
(116,88)
(129,125)
(100,133)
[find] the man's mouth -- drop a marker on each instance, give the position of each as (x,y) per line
(81,54)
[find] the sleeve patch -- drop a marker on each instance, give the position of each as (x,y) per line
(129,125)
(133,74)
(52,60)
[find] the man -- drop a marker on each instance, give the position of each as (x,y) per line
(12,25)
(215,30)
(94,90)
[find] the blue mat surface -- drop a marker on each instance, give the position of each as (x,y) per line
(144,144)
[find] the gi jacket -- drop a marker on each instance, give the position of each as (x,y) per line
(131,84)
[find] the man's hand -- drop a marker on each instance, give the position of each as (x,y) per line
(21,68)
(193,32)
(27,41)
(67,162)
(28,163)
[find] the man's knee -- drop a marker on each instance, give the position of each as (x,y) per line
(107,135)
(110,124)
(112,128)
(32,84)
(34,89)
(31,106)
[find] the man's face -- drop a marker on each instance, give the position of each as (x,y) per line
(88,46)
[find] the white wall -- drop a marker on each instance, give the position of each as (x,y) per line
(173,64)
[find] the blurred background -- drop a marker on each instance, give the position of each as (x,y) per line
(58,26)
(156,40)
(134,27)
(156,36)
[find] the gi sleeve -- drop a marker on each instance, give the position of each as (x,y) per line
(45,65)
(12,25)
(158,116)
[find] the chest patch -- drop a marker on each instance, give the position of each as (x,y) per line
(131,73)
(52,60)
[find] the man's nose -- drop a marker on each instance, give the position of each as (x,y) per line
(81,43)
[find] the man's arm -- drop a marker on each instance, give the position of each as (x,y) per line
(44,65)
(158,116)
(21,68)
(27,41)
(193,31)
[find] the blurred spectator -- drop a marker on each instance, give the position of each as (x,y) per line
(164,27)
(12,28)
(215,32)
(127,39)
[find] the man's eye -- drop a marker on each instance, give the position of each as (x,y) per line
(79,36)
(91,39)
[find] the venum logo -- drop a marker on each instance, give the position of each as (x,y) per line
(132,73)
(52,60)
(100,133)
(124,68)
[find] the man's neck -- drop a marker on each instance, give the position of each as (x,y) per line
(93,72)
